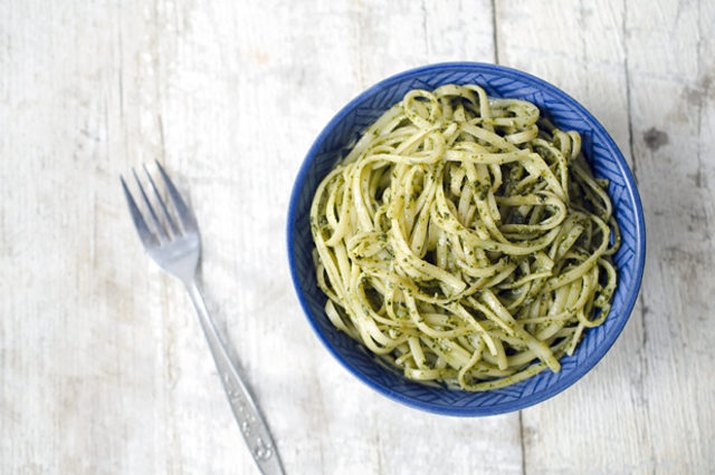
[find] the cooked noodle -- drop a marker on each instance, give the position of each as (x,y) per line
(464,239)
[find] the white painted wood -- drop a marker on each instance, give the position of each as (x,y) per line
(102,365)
(673,117)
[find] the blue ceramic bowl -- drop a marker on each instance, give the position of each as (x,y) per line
(606,161)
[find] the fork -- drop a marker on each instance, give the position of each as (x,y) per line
(172,240)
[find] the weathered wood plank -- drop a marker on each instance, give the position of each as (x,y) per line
(325,421)
(75,357)
(672,111)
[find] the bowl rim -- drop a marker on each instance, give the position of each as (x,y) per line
(639,249)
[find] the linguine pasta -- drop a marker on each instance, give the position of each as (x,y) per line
(464,239)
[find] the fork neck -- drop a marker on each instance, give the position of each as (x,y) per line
(197,296)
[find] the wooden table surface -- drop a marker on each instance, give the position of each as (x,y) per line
(102,365)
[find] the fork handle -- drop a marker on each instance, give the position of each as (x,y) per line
(253,426)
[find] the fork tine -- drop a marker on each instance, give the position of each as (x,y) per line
(186,216)
(155,219)
(167,215)
(146,236)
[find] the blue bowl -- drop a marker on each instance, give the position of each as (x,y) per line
(606,161)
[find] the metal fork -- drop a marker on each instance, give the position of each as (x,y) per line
(172,240)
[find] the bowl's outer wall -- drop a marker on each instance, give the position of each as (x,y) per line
(606,161)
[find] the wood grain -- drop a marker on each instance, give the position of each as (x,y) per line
(102,365)
(672,112)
